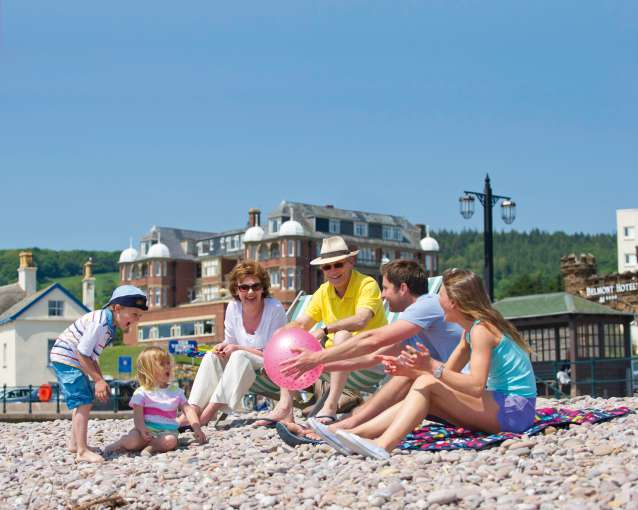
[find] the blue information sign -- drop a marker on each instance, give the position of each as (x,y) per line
(181,346)
(124,364)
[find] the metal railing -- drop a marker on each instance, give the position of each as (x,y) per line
(590,378)
(118,400)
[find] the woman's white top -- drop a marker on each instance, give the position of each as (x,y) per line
(273,317)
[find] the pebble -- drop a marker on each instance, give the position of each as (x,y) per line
(580,468)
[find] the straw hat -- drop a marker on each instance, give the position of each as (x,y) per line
(332,250)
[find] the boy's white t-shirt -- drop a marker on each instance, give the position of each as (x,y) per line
(273,317)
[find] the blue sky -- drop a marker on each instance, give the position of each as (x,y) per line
(115,116)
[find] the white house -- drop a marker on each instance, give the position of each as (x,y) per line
(627,239)
(30,322)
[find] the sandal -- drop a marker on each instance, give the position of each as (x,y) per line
(293,439)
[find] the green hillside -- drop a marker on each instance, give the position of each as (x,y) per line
(524,262)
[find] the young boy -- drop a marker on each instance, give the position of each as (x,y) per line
(74,357)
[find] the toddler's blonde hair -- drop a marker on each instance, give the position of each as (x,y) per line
(149,363)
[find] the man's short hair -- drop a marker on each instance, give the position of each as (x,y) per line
(409,272)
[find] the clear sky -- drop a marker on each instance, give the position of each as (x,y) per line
(115,116)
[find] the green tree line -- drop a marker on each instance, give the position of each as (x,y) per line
(524,262)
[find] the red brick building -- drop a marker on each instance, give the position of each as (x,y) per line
(185,273)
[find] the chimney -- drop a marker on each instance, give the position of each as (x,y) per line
(421,228)
(254,217)
(27,273)
(88,285)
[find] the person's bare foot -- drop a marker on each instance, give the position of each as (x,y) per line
(89,456)
(94,449)
(284,416)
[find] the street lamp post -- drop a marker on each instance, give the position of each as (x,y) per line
(508,214)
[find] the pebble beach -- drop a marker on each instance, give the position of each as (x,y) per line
(582,467)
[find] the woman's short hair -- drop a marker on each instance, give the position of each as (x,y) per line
(244,269)
(409,272)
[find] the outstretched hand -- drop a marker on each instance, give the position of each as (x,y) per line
(294,367)
(393,366)
(418,358)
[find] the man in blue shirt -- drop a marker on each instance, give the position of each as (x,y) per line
(421,320)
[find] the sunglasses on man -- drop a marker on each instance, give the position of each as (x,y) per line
(328,267)
(244,287)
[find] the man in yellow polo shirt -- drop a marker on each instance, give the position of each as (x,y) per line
(347,302)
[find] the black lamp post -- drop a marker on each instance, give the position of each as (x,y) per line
(508,214)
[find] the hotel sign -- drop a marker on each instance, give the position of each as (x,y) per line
(610,292)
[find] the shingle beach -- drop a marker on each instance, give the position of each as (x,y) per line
(582,467)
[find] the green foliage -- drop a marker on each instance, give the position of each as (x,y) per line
(57,264)
(109,356)
(524,262)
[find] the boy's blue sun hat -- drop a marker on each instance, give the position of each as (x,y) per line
(128,295)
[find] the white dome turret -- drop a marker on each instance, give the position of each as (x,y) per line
(255,233)
(128,255)
(291,227)
(159,250)
(429,243)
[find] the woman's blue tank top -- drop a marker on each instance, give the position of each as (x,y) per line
(511,370)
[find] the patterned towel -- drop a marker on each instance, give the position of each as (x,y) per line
(434,437)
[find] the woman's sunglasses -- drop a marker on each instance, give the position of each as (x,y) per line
(244,287)
(328,267)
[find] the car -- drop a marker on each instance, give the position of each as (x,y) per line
(122,390)
(19,394)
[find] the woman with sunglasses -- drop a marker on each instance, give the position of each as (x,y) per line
(227,373)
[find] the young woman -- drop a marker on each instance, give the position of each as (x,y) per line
(227,373)
(497,394)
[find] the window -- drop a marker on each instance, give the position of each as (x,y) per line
(273,225)
(187,328)
(50,344)
(211,245)
(386,232)
(158,296)
(210,268)
(291,248)
(614,341)
(274,251)
(630,259)
(211,292)
(543,343)
(361,229)
(143,333)
(629,232)
(56,308)
(263,252)
(334,226)
(587,341)
(209,327)
(164,330)
(252,252)
(158,268)
(366,255)
(274,276)
(291,278)
(4,355)
(563,342)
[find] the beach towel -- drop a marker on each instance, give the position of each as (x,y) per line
(436,437)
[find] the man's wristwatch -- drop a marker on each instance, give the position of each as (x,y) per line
(438,371)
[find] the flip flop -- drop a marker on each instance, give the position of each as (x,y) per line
(362,445)
(326,419)
(329,436)
(293,439)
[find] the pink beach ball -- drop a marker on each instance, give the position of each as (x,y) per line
(278,350)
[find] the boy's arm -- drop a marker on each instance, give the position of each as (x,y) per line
(91,368)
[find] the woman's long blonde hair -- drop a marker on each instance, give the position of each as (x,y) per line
(466,290)
(149,363)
